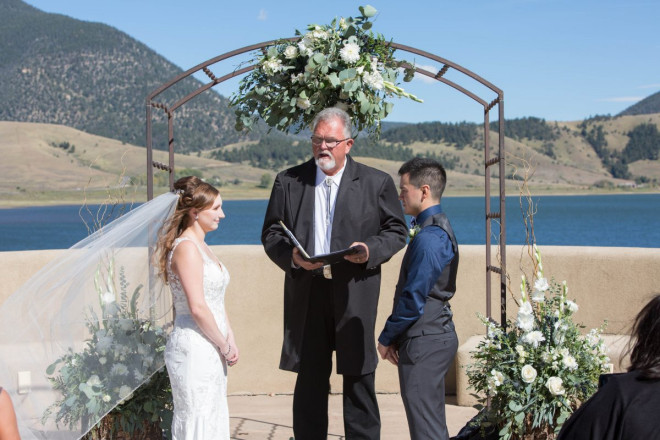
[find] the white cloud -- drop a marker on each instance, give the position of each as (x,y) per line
(650,86)
(263,15)
(622,99)
(425,78)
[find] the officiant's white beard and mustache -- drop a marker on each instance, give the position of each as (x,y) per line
(325,161)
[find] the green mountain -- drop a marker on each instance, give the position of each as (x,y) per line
(90,76)
(648,105)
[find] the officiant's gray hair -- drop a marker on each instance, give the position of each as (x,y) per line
(334,113)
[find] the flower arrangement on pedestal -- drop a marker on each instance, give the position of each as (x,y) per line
(535,374)
(123,351)
(343,64)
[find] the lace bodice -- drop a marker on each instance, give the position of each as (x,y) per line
(216,279)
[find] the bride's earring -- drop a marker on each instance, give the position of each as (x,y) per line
(196,217)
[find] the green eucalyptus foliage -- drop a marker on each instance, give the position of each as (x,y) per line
(343,64)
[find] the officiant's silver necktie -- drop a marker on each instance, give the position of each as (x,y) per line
(327,271)
(328,183)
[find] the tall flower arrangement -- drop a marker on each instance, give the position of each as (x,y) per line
(342,64)
(122,350)
(540,370)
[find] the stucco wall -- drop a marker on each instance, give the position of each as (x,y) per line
(607,283)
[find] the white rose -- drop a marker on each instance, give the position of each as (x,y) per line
(528,374)
(350,53)
(290,52)
(106,398)
(555,385)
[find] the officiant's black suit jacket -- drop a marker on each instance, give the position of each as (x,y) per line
(367,210)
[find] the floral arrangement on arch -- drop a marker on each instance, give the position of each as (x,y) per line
(343,64)
(123,349)
(539,371)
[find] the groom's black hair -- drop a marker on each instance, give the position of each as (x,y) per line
(425,171)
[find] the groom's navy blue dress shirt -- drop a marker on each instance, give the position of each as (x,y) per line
(430,251)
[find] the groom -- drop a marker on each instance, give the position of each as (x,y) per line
(419,335)
(330,203)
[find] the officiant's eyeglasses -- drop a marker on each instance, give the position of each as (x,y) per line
(317,141)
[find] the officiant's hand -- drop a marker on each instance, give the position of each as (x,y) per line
(299,261)
(388,353)
(360,257)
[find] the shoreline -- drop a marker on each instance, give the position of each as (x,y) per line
(66,199)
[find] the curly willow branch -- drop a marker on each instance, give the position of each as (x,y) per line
(522,171)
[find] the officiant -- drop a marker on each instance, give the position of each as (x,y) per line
(332,202)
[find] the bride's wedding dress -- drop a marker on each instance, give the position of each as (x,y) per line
(197,371)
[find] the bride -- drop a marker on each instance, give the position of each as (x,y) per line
(202,343)
(72,372)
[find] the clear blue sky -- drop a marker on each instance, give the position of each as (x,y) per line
(560,60)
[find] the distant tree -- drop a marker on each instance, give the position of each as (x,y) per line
(459,134)
(644,143)
(528,128)
(596,138)
(619,170)
(266,181)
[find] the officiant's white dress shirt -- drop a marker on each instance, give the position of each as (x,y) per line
(323,214)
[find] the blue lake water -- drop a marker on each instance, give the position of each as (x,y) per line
(630,220)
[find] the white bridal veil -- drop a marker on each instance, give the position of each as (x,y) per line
(86,331)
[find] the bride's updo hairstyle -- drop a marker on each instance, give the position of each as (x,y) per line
(193,194)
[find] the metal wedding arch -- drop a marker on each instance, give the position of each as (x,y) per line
(490,160)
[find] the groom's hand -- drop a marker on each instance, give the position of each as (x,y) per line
(388,353)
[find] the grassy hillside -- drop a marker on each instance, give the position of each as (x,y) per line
(37,170)
(46,163)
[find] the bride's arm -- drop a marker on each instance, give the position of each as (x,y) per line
(230,336)
(188,265)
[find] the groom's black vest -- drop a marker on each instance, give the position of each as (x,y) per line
(437,316)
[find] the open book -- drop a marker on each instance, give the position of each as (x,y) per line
(330,258)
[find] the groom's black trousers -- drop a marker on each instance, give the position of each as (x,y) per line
(310,399)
